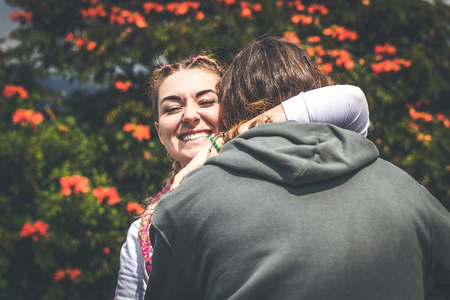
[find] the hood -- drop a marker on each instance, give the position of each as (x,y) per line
(296,153)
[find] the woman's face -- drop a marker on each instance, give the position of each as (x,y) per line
(188,113)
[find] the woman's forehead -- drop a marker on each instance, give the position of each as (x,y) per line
(187,82)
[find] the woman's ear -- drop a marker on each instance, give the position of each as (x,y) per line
(159,134)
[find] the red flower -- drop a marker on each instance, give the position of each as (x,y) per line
(10,91)
(69,37)
(38,228)
(59,275)
(21,15)
(134,207)
(72,273)
(101,193)
(123,85)
(80,184)
(106,250)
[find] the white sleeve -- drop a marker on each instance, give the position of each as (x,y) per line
(132,280)
(341,105)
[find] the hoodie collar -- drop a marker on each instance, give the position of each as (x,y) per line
(296,153)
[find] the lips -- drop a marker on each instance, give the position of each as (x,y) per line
(195,136)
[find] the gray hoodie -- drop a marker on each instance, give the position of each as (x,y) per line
(300,211)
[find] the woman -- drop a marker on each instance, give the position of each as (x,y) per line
(186,111)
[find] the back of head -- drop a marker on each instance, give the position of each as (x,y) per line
(264,74)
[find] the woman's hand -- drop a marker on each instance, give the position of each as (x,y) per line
(198,161)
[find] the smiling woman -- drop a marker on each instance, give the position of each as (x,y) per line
(188,113)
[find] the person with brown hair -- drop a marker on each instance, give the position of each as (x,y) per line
(293,210)
(186,113)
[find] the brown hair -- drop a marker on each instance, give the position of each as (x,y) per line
(205,63)
(262,75)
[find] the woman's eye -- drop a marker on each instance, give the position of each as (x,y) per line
(207,102)
(172,109)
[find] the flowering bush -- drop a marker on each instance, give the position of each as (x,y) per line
(66,155)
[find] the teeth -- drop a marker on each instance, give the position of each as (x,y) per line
(196,136)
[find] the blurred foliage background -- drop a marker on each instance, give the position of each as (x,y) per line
(76,162)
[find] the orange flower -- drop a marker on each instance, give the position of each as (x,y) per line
(279,3)
(23,116)
(307,20)
(80,184)
(101,193)
(291,36)
(424,137)
(414,126)
(310,51)
(313,39)
(142,132)
(326,68)
(150,6)
(200,15)
(93,12)
(134,207)
(297,18)
(128,127)
(38,228)
(62,128)
(123,85)
(385,49)
(139,20)
(246,13)
(91,45)
(366,2)
(10,91)
(340,33)
(322,9)
(257,7)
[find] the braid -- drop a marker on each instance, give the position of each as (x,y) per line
(146,218)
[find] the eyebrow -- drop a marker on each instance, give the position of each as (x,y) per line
(198,94)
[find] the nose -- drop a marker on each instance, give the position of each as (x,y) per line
(191,115)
